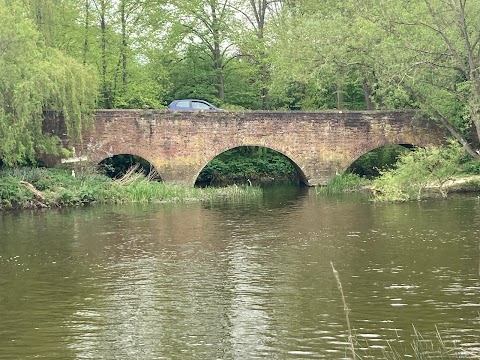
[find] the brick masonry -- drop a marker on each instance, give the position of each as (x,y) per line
(320,144)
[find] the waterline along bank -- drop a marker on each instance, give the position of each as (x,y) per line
(29,188)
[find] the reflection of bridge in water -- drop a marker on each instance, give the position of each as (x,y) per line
(319,144)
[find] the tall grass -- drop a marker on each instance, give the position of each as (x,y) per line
(346,311)
(231,193)
(436,349)
(342,183)
(39,187)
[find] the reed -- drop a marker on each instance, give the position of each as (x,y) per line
(40,187)
(423,349)
(346,311)
(231,193)
(437,349)
(342,183)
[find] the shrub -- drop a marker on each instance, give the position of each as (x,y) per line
(13,194)
(415,171)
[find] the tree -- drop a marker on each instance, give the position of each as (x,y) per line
(327,45)
(431,53)
(416,171)
(117,38)
(209,24)
(255,14)
(35,78)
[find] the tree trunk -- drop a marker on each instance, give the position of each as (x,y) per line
(340,92)
(87,26)
(103,30)
(367,92)
(124,44)
(217,55)
(260,11)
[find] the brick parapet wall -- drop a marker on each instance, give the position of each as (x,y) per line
(320,144)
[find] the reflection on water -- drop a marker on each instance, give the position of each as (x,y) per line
(239,281)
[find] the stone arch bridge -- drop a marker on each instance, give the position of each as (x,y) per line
(319,144)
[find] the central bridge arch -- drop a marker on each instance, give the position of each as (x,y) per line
(301,176)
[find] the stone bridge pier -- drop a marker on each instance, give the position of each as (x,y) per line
(319,144)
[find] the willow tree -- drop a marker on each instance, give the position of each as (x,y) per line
(34,79)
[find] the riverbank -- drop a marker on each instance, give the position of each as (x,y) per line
(34,188)
(465,183)
(345,183)
(424,188)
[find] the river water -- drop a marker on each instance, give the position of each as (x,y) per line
(248,280)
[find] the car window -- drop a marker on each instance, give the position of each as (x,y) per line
(199,105)
(183,104)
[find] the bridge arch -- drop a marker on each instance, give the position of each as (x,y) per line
(219,151)
(115,166)
(369,163)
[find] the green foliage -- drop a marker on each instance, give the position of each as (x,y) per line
(35,78)
(434,64)
(470,165)
(370,164)
(252,163)
(58,188)
(231,193)
(315,47)
(243,85)
(417,170)
(192,77)
(232,107)
(342,183)
(12,193)
(301,55)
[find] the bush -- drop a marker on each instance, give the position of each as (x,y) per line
(13,194)
(415,171)
(248,162)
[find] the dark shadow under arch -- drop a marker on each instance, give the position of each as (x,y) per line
(250,164)
(118,165)
(384,157)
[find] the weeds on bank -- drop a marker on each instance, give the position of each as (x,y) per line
(342,183)
(23,188)
(422,173)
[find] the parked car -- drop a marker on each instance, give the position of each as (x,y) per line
(191,104)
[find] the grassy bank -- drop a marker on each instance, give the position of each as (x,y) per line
(419,174)
(28,188)
(345,183)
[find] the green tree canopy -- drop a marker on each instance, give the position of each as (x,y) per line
(432,54)
(35,78)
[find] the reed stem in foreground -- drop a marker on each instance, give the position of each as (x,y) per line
(346,310)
